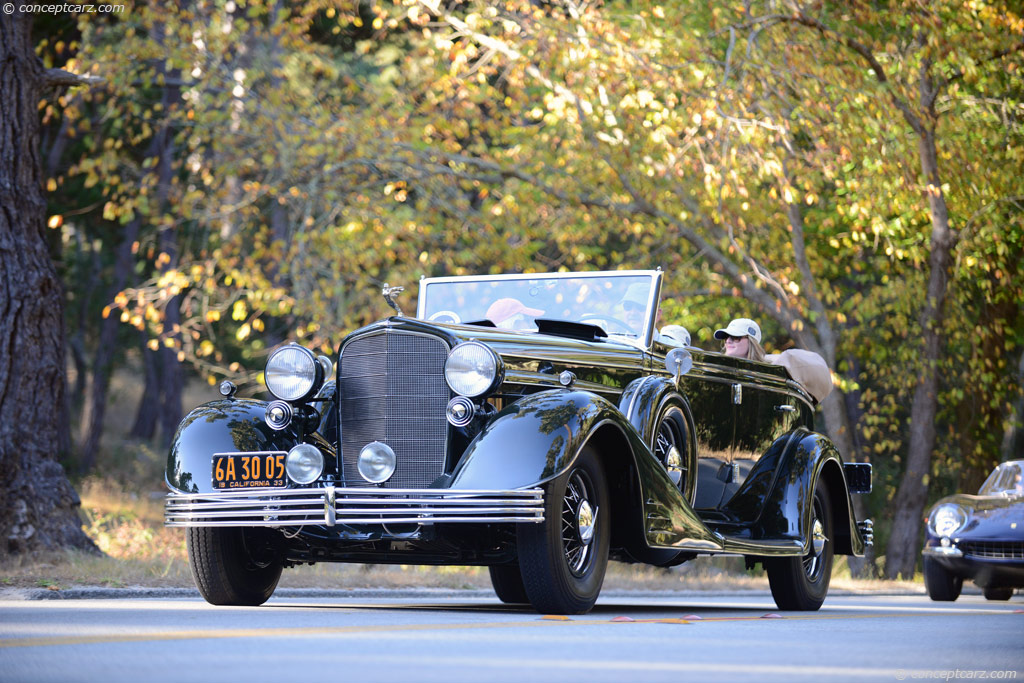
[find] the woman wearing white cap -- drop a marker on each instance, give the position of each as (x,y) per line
(742,339)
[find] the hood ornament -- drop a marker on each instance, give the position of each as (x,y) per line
(390,292)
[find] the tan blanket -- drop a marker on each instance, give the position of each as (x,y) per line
(807,368)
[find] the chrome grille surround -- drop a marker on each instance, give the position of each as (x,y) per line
(330,506)
(994,550)
(391,388)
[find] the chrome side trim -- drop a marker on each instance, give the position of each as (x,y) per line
(330,506)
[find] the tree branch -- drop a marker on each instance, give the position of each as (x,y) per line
(58,78)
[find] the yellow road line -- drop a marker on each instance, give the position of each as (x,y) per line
(396,628)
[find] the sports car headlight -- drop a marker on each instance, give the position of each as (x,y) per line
(293,373)
(472,369)
(947,519)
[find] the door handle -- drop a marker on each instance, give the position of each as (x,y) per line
(785,409)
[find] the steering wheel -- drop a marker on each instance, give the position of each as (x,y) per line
(623,326)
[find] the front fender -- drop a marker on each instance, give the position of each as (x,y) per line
(539,437)
(227,425)
(533,440)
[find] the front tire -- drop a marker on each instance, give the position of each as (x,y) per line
(508,584)
(232,566)
(942,586)
(801,583)
(997,593)
(563,559)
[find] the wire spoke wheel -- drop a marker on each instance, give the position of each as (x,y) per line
(578,519)
(563,559)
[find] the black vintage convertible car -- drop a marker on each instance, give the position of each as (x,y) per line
(978,537)
(535,424)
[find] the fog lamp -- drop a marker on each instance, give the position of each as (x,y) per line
(304,463)
(377,462)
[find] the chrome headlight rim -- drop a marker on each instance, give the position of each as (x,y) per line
(304,364)
(947,519)
(467,359)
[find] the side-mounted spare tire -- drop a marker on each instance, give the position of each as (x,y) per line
(563,559)
(233,566)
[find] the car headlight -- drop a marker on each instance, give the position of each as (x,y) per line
(293,373)
(472,369)
(947,519)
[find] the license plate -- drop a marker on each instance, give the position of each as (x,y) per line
(255,470)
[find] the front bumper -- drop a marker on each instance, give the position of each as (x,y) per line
(330,506)
(987,562)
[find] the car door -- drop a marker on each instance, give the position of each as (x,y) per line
(709,389)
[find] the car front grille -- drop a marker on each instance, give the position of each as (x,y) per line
(1000,550)
(391,388)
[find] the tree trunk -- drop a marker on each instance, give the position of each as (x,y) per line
(148,411)
(1013,433)
(904,540)
(96,407)
(38,506)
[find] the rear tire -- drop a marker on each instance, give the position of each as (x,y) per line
(232,566)
(998,593)
(801,583)
(942,586)
(563,559)
(508,584)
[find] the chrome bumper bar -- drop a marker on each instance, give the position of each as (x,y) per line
(330,506)
(942,551)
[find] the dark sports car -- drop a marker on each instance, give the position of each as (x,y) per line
(978,537)
(535,424)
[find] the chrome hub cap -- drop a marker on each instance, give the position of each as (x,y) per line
(585,522)
(814,562)
(818,537)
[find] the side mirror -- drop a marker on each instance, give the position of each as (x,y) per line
(678,362)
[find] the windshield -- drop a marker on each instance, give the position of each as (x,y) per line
(620,302)
(1005,480)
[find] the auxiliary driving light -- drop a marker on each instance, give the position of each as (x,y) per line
(377,462)
(304,463)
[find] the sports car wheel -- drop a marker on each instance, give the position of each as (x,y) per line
(942,586)
(801,583)
(508,583)
(998,593)
(232,566)
(563,560)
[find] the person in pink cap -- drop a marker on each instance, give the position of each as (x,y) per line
(512,314)
(742,339)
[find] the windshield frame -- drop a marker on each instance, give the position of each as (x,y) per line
(653,299)
(994,484)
